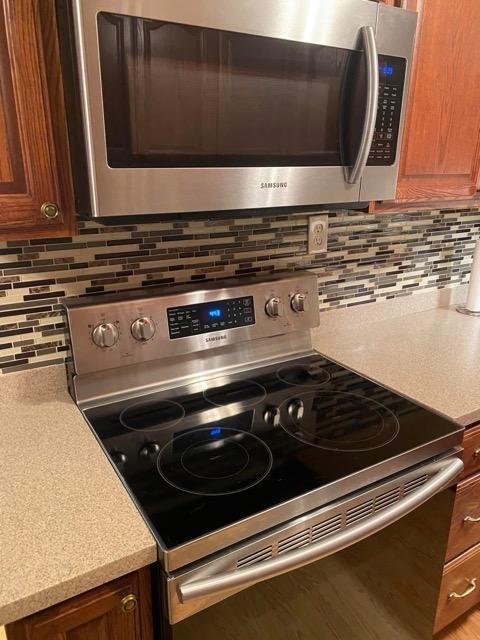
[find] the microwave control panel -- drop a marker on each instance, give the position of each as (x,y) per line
(390,95)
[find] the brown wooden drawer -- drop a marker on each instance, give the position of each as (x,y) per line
(462,578)
(465,533)
(471,454)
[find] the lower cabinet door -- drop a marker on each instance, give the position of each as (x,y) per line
(465,527)
(460,589)
(119,610)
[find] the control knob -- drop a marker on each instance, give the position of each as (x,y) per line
(273,308)
(143,329)
(105,335)
(272,416)
(298,302)
(149,449)
(118,457)
(296,409)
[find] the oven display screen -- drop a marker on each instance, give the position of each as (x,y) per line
(195,319)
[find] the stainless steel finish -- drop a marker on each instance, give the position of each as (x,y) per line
(463,309)
(394,35)
(274,307)
(143,329)
(143,191)
(154,304)
(296,409)
(298,302)
(272,416)
(127,382)
(219,540)
(105,335)
(368,38)
(308,538)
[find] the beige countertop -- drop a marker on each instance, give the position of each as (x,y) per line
(418,346)
(66,522)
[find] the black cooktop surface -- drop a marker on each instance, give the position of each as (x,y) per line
(201,457)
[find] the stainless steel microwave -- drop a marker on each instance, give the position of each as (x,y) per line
(216,105)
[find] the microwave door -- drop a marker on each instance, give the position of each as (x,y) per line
(188,107)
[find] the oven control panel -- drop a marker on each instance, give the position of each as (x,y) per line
(137,327)
(194,319)
(390,95)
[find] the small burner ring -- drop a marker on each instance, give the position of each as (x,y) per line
(152,415)
(296,375)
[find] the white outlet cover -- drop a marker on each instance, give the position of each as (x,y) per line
(317,234)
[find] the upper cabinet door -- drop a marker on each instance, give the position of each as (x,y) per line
(441,144)
(36,196)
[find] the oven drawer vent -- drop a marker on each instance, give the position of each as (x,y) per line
(411,485)
(341,520)
(253,558)
(295,541)
(357,513)
(384,500)
(324,529)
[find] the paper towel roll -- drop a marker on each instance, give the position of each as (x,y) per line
(473,298)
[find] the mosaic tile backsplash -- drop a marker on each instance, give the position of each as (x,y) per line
(369,259)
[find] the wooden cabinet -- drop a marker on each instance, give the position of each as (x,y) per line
(465,527)
(120,610)
(34,155)
(440,156)
(460,589)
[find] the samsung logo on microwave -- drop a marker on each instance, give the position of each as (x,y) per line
(273,185)
(216,338)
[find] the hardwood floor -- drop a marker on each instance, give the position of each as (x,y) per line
(465,628)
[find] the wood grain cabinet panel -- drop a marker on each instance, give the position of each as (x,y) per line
(120,610)
(460,589)
(440,155)
(465,527)
(34,154)
(471,451)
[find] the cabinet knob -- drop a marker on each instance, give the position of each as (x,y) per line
(50,210)
(476,453)
(129,603)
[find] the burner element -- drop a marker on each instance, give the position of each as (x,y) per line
(152,416)
(247,392)
(214,461)
(340,421)
(300,375)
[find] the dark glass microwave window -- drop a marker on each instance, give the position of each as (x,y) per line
(183,96)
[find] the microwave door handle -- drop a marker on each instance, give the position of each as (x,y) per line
(370,46)
(445,471)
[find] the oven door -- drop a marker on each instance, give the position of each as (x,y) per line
(214,105)
(340,572)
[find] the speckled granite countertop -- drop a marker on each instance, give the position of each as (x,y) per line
(66,522)
(418,346)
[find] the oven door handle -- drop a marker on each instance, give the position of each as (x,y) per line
(368,38)
(445,471)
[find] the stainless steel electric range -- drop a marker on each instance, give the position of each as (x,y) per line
(268,475)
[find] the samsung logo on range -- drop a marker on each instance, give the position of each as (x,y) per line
(216,338)
(273,185)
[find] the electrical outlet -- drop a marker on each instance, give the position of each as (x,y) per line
(317,234)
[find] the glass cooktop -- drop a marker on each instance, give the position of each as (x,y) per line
(204,456)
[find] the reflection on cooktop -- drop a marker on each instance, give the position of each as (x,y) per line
(214,461)
(248,392)
(201,456)
(151,416)
(340,421)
